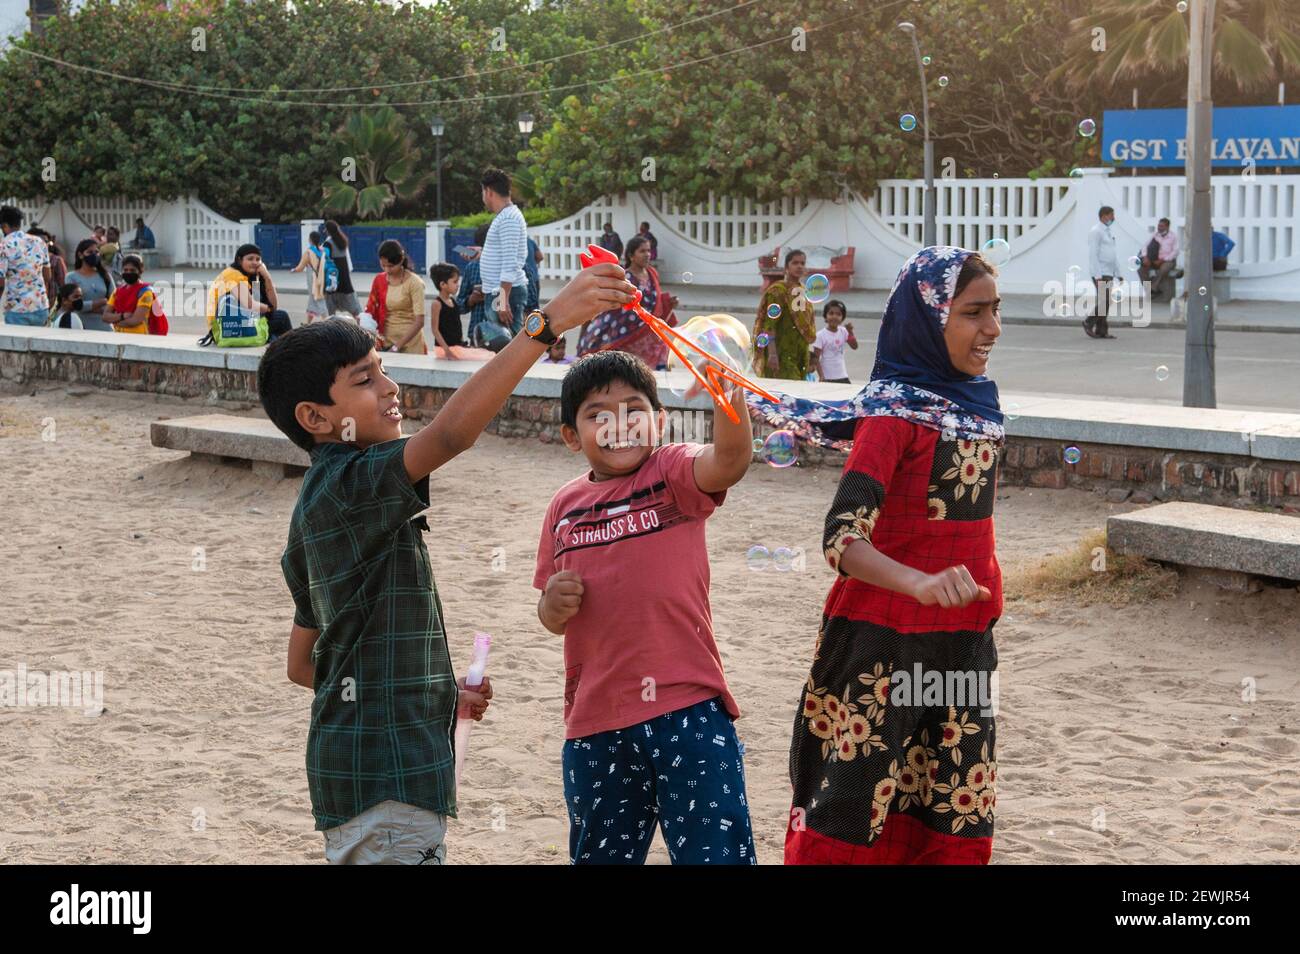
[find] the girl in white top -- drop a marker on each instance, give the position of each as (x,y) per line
(828,346)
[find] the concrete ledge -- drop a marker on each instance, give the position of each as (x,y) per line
(1216,538)
(224,435)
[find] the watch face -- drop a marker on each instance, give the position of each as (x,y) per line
(535,324)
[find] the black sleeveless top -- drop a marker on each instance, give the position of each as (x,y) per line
(449,323)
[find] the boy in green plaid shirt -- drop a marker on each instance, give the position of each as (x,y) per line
(367,632)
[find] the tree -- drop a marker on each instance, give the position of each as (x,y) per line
(377,159)
(1256,42)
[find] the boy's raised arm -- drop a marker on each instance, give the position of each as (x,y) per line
(476,402)
(725,461)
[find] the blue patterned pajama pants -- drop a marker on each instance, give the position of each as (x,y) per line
(682,769)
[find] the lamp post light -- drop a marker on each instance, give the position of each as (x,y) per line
(928,230)
(525,129)
(438,127)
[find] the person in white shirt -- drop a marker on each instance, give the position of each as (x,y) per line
(501,264)
(828,346)
(1103,266)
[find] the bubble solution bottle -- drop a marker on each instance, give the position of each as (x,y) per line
(473,679)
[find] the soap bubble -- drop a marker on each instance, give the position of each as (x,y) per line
(762,340)
(1116,294)
(943,81)
(817,288)
(1076,173)
(687,278)
(1202,290)
(1073,455)
(1075,269)
(757,558)
(1087,128)
(907,122)
(758,444)
(774,310)
(1162,373)
(1134,263)
(1011,413)
(925,60)
(781,449)
(782,559)
(997,251)
(1181,6)
(719,336)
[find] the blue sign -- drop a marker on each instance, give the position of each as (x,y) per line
(1244,136)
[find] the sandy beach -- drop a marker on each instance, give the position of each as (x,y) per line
(1123,733)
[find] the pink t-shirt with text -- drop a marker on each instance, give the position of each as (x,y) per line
(642,643)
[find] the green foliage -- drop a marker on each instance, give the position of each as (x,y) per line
(533,215)
(378,161)
(245,144)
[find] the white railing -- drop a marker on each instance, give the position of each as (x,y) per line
(1260,214)
(727,222)
(969,212)
(211,239)
(561,241)
(119,213)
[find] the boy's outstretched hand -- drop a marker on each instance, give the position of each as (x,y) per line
(474,702)
(560,601)
(593,290)
(951,588)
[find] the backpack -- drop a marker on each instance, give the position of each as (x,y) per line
(331,271)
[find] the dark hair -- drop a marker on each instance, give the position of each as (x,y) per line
(974,266)
(108,232)
(792,253)
(835,303)
(442,272)
(634,243)
(1166,221)
(314,237)
(99,266)
(301,365)
(128,259)
(480,234)
(336,234)
(11,216)
(1105,210)
(595,372)
(645,225)
(67,290)
(497,181)
(391,250)
(139,220)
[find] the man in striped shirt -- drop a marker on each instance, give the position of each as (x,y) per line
(501,265)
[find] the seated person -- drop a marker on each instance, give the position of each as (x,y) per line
(65,313)
(1220,248)
(143,236)
(1159,260)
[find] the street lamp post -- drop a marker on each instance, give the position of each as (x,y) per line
(437,127)
(1198,348)
(525,129)
(928,232)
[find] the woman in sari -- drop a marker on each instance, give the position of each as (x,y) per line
(786,325)
(888,767)
(621,330)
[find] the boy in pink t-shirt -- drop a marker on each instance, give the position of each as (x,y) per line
(624,573)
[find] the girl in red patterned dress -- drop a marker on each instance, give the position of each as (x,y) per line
(893,758)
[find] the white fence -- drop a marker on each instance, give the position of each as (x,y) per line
(718,242)
(1046,222)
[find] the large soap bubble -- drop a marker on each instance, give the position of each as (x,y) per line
(720,336)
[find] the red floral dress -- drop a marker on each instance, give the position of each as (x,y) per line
(893,758)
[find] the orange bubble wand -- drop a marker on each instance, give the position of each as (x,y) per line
(715,371)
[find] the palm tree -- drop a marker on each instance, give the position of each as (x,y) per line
(382,154)
(1255,42)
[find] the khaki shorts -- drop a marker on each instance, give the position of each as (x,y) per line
(390,833)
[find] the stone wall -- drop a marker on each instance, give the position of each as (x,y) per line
(1141,474)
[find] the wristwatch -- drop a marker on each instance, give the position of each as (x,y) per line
(538,327)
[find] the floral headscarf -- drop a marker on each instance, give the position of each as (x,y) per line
(913,377)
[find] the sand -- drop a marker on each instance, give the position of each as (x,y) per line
(1134,712)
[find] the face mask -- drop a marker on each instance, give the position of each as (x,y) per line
(130,277)
(91,258)
(75,304)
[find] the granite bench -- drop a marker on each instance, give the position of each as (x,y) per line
(1230,546)
(250,441)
